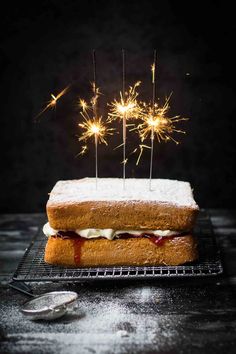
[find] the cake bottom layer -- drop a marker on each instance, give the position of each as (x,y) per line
(120,252)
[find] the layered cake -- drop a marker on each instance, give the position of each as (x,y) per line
(110,226)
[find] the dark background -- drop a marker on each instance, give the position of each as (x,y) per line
(47,45)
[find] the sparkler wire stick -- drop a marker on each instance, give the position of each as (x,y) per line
(124,117)
(94,84)
(92,124)
(153,112)
(96,158)
(95,115)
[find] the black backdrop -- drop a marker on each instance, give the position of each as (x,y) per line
(47,45)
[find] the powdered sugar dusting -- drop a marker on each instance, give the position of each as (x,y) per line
(121,320)
(111,189)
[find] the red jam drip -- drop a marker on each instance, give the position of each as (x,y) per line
(159,241)
(78,244)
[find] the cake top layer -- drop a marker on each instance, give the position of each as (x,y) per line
(111,189)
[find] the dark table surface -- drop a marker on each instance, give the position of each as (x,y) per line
(155,316)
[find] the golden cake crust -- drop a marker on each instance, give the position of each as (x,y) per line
(77,204)
(120,252)
(121,216)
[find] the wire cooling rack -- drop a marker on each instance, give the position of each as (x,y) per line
(32,267)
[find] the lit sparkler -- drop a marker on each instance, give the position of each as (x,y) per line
(93,125)
(124,109)
(53,102)
(155,122)
(127,105)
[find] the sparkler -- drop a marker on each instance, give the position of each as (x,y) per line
(126,108)
(158,124)
(93,127)
(92,124)
(127,105)
(155,122)
(53,102)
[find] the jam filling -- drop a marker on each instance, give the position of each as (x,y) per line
(78,240)
(157,240)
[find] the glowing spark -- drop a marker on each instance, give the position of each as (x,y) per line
(117,147)
(155,122)
(83,150)
(54,100)
(141,147)
(83,105)
(52,103)
(124,162)
(127,105)
(94,127)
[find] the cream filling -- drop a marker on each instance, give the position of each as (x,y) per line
(109,234)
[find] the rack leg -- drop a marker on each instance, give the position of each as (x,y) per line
(21,287)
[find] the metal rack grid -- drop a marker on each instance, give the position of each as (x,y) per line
(32,267)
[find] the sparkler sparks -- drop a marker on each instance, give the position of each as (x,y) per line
(83,105)
(127,105)
(53,102)
(94,127)
(83,150)
(141,149)
(156,123)
(125,109)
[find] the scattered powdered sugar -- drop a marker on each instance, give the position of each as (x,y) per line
(122,333)
(111,189)
(121,321)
